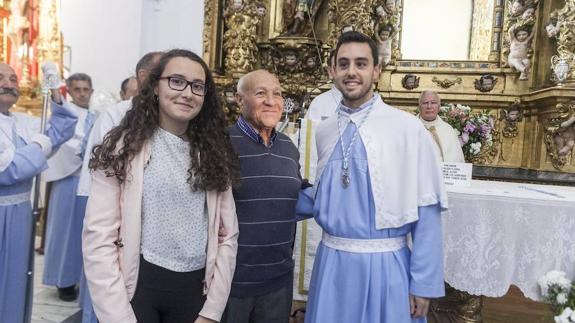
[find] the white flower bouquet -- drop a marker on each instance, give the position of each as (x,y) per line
(559,292)
(475,130)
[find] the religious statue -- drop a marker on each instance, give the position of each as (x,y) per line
(386,26)
(384,37)
(299,17)
(410,81)
(517,7)
(511,116)
(520,17)
(242,18)
(520,39)
(291,62)
(385,10)
(565,138)
(19,32)
(485,83)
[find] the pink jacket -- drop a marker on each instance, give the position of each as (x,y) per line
(111,244)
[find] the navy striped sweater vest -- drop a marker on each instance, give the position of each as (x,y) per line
(265,204)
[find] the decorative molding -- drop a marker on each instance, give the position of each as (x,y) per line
(446,83)
(560,134)
(562,28)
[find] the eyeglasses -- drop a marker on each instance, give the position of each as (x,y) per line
(180,84)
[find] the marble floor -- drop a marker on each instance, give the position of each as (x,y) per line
(47,307)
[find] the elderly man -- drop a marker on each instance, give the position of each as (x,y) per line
(63,254)
(23,155)
(325,104)
(265,204)
(446,142)
(378,180)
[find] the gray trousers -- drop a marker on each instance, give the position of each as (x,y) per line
(274,307)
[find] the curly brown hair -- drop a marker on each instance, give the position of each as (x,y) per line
(214,165)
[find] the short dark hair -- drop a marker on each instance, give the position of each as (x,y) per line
(78,77)
(146,62)
(331,61)
(357,37)
(125,84)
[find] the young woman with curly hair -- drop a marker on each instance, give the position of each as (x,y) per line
(161,188)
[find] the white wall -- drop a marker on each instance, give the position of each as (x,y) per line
(438,29)
(169,24)
(107,37)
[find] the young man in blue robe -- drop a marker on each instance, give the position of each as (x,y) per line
(23,155)
(378,180)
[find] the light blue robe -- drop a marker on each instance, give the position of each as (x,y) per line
(367,287)
(63,251)
(16,218)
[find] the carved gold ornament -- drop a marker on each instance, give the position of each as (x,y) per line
(485,83)
(446,83)
(560,134)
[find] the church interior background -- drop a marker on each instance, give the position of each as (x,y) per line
(466,50)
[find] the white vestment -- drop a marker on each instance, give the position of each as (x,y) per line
(25,126)
(324,105)
(397,195)
(107,120)
(450,148)
(67,161)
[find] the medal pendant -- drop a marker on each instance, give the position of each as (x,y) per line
(345,179)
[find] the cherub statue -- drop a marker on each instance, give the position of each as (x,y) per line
(517,7)
(291,61)
(386,8)
(384,37)
(520,39)
(528,13)
(310,63)
(565,139)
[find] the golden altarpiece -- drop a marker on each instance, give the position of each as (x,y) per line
(30,32)
(518,66)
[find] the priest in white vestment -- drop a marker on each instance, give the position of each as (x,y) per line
(447,143)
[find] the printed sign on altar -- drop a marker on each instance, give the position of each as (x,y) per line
(457,174)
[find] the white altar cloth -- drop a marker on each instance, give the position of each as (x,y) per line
(499,234)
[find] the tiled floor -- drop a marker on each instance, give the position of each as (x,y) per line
(47,307)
